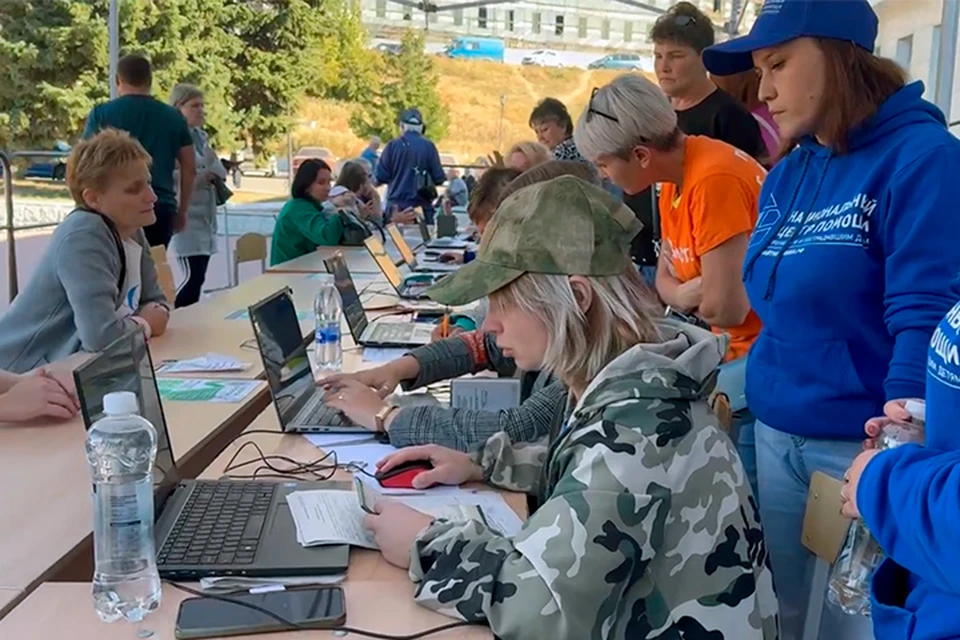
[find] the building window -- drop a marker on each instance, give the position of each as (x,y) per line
(933,85)
(510,18)
(605,30)
(381,8)
(905,52)
(582,28)
(627,31)
(558,26)
(535,22)
(482,17)
(717,6)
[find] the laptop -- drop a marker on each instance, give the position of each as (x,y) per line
(299,403)
(439,243)
(406,253)
(411,287)
(377,334)
(204,528)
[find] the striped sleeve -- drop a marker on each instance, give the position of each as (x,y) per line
(462,429)
(461,355)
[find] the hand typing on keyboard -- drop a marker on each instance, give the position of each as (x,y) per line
(358,401)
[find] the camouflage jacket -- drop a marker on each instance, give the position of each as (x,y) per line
(648,531)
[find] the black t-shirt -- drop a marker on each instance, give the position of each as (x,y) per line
(721,117)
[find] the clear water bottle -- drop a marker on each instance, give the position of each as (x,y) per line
(121,450)
(861,554)
(327,310)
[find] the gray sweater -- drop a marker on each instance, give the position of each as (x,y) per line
(462,429)
(72,301)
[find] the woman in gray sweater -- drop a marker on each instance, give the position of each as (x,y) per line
(197,241)
(96,280)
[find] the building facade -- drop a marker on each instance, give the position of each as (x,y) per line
(581,24)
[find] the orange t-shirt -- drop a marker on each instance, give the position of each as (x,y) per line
(721,187)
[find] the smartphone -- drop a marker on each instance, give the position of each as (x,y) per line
(317,608)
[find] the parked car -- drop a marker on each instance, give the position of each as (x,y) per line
(306,153)
(389,48)
(543,58)
(625,61)
(476,49)
(54,168)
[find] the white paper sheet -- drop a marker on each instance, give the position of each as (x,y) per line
(363,452)
(382,354)
(204,363)
(230,584)
(496,511)
(329,517)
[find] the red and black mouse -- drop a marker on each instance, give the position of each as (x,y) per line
(402,475)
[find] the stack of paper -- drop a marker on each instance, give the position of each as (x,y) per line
(188,390)
(204,363)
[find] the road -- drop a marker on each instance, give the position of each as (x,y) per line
(570,58)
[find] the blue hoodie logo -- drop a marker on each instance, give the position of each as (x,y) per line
(943,360)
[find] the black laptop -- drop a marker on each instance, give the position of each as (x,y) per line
(204,528)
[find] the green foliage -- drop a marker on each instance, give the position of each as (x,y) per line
(255,60)
(409,79)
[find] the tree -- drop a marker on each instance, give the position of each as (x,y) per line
(409,80)
(54,52)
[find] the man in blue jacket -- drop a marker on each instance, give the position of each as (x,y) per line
(407,161)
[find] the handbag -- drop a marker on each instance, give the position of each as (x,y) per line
(423,181)
(354,229)
(223,192)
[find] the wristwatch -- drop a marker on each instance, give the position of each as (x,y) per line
(382,415)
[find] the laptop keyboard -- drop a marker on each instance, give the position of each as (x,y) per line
(221,524)
(390,333)
(315,413)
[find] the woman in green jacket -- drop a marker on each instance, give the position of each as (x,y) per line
(306,220)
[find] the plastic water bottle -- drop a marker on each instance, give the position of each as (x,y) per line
(327,310)
(861,553)
(121,450)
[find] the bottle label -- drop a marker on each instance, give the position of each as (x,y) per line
(332,333)
(127,512)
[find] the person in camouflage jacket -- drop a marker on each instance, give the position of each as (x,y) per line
(647,528)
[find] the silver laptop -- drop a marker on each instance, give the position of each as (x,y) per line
(299,403)
(204,528)
(365,333)
(429,242)
(411,287)
(431,262)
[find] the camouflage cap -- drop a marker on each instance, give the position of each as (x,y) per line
(564,226)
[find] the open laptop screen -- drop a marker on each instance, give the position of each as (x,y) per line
(389,269)
(283,352)
(125,365)
(349,298)
(405,252)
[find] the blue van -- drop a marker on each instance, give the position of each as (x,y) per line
(476,49)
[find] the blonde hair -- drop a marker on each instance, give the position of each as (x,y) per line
(534,152)
(580,345)
(92,162)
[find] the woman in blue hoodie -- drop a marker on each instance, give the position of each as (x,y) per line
(909,498)
(850,264)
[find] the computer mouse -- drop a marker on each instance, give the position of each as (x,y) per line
(402,475)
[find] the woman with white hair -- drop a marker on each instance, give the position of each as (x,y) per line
(197,241)
(622,545)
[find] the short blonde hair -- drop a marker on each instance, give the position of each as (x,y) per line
(92,162)
(534,152)
(183,93)
(580,345)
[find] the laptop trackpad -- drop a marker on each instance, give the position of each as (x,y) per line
(280,550)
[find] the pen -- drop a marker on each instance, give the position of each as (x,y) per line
(445,327)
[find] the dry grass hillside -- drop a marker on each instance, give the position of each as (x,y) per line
(472,90)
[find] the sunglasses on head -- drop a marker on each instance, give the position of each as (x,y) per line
(592,111)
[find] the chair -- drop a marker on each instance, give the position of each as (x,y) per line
(250,247)
(164,273)
(824,530)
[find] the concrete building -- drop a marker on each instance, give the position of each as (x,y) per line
(910,33)
(602,24)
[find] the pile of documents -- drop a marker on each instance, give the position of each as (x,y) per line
(205,363)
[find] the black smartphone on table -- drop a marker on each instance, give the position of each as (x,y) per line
(314,608)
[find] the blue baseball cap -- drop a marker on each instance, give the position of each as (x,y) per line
(412,116)
(785,20)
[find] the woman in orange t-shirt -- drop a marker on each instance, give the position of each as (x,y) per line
(708,200)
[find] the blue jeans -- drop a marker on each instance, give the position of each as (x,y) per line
(784,465)
(747,448)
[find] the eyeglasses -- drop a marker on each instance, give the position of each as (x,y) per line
(591,111)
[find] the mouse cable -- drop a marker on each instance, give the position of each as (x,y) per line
(302,627)
(322,468)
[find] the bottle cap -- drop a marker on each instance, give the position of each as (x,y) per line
(120,403)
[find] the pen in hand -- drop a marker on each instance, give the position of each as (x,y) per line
(445,326)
